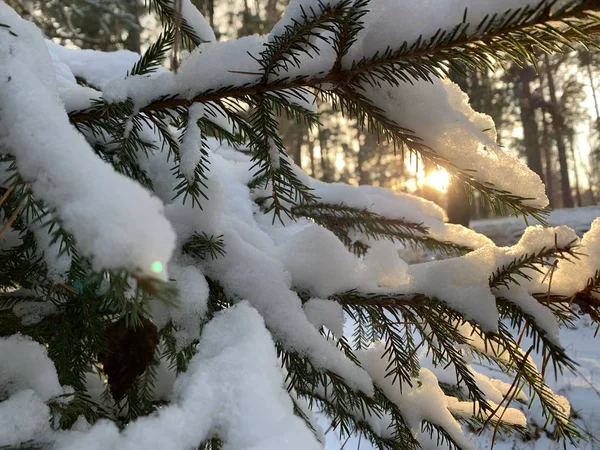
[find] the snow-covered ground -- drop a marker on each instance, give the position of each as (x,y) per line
(506,231)
(582,388)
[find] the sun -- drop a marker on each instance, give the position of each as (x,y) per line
(438,179)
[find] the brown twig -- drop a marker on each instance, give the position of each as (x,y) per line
(13,217)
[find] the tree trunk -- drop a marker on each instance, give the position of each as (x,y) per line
(311,155)
(559,129)
(365,150)
(596,106)
(458,207)
(527,112)
(326,176)
(549,178)
(572,147)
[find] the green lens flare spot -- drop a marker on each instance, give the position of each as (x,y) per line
(157,267)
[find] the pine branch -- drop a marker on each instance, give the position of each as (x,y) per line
(166,12)
(347,408)
(202,246)
(437,315)
(196,187)
(386,325)
(516,268)
(156,53)
(343,220)
(509,34)
(273,167)
(512,35)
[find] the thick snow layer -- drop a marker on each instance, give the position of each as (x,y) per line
(327,313)
(390,23)
(190,312)
(114,220)
(302,255)
(572,276)
(191,144)
(233,384)
(455,132)
(29,368)
(96,68)
(543,317)
(195,20)
(230,64)
(399,205)
(23,417)
(462,283)
(385,266)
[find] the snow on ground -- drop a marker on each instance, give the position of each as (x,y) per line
(507,230)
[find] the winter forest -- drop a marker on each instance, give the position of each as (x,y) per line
(299,224)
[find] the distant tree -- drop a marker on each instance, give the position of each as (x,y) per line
(102,24)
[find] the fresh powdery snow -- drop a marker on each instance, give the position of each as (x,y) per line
(233,384)
(279,277)
(65,172)
(195,20)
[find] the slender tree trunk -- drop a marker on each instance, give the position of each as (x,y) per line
(572,147)
(458,207)
(559,129)
(549,178)
(296,149)
(133,41)
(311,155)
(596,107)
(527,112)
(370,144)
(325,163)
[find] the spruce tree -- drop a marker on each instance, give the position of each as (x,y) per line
(172,280)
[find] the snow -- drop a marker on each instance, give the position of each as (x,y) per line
(114,220)
(233,384)
(191,143)
(95,67)
(399,205)
(543,317)
(247,272)
(390,23)
(302,255)
(453,131)
(230,64)
(30,368)
(571,277)
(196,20)
(421,401)
(320,312)
(23,417)
(193,295)
(385,266)
(462,283)
(31,313)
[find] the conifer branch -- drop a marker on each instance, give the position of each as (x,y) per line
(515,269)
(342,220)
(166,11)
